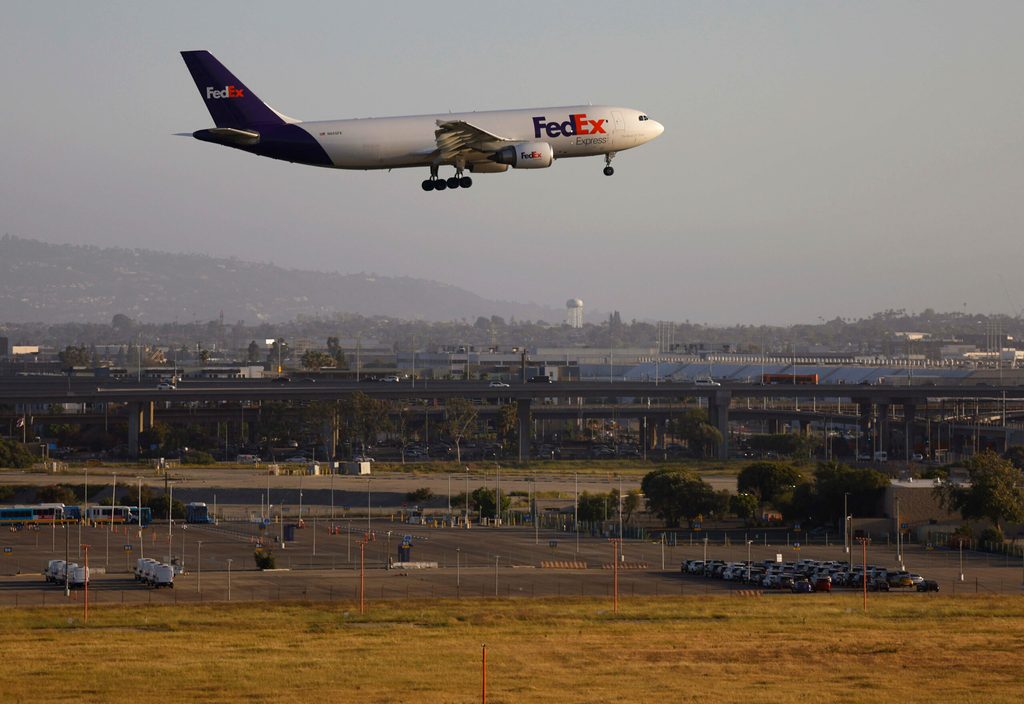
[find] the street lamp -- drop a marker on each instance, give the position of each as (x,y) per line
(748,560)
(230,560)
(458,568)
(199,566)
(961,543)
(846,523)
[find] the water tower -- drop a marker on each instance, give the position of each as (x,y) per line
(574,313)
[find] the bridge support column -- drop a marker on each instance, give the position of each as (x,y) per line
(146,415)
(523,416)
(330,436)
(718,412)
(883,427)
(134,424)
(909,414)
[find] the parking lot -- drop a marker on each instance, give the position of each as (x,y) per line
(322,563)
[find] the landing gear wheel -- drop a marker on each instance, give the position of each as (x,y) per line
(453,182)
(608,171)
(440,185)
(428,185)
(465,182)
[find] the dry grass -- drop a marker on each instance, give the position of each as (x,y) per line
(724,649)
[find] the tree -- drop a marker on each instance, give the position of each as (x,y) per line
(766,480)
(314,359)
(674,494)
(508,424)
(995,491)
(743,505)
(821,501)
(56,494)
(484,499)
(700,436)
(366,417)
(13,454)
(72,356)
(334,349)
(459,419)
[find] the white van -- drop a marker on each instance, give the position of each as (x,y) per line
(140,568)
(77,575)
(705,381)
(163,576)
(54,568)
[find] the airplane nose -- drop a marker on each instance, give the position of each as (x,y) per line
(658,128)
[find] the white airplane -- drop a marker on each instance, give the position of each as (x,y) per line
(478,142)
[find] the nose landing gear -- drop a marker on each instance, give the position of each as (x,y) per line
(608,170)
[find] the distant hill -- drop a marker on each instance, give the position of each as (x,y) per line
(53,283)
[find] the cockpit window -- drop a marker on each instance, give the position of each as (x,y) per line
(644,117)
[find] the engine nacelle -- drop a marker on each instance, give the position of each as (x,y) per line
(526,155)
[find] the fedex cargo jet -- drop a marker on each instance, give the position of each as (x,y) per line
(477,142)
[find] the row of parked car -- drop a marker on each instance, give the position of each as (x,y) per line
(804,576)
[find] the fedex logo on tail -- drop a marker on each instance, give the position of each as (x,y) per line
(575,125)
(225,92)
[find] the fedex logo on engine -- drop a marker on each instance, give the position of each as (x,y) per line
(225,92)
(575,125)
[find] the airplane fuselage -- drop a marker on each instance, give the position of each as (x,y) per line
(479,142)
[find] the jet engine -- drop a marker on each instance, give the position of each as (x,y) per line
(525,155)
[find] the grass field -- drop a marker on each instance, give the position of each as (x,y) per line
(718,649)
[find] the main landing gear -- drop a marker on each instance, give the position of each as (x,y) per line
(439,184)
(608,170)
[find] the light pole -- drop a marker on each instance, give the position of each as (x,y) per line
(199,566)
(458,568)
(467,497)
(496,557)
(961,543)
(230,560)
(620,518)
(846,523)
(576,512)
(899,535)
(748,560)
(368,507)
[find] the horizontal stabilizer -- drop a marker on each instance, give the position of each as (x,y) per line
(228,135)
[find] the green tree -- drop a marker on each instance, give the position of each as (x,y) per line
(595,507)
(766,480)
(484,500)
(460,422)
(334,349)
(675,494)
(508,425)
(743,506)
(994,492)
(700,436)
(75,356)
(314,359)
(13,454)
(366,417)
(56,494)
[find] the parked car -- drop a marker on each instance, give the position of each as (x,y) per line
(928,585)
(823,584)
(802,587)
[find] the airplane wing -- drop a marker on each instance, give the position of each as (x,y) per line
(458,138)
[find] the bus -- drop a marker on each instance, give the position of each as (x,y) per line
(109,514)
(133,515)
(17,515)
(789,378)
(198,512)
(39,513)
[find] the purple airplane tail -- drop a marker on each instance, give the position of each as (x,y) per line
(230,102)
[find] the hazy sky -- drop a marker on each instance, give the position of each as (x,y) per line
(819,160)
